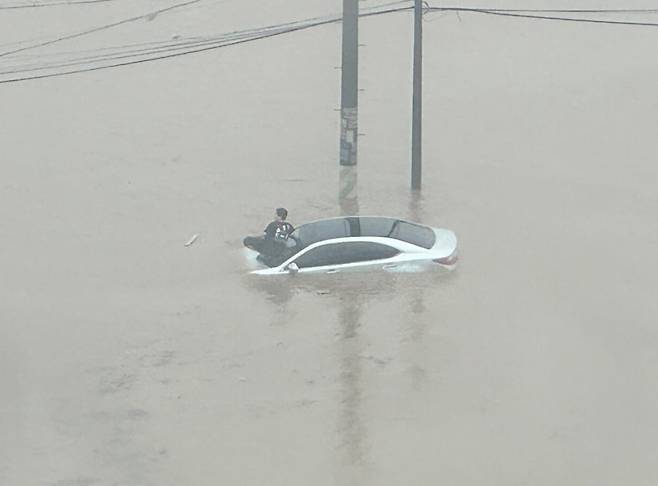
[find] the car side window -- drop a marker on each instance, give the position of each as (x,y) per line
(342,253)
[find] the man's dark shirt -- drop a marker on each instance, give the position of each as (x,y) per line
(279,230)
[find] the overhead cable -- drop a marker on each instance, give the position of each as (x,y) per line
(151,15)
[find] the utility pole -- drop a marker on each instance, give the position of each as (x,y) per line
(349,83)
(417,122)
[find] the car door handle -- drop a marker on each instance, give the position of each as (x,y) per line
(388,266)
(333,270)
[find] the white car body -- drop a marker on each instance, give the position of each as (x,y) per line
(408,257)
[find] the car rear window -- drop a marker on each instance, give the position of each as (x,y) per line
(395,228)
(413,233)
(342,253)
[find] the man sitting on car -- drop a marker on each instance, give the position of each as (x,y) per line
(279,229)
(273,246)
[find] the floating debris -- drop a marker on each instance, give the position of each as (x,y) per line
(192,240)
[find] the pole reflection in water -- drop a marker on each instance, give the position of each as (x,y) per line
(415,325)
(348,197)
(351,429)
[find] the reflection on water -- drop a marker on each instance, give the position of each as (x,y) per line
(278,289)
(416,211)
(351,428)
(348,198)
(350,296)
(417,304)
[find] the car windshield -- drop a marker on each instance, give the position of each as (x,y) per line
(327,229)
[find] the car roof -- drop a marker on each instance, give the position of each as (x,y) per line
(364,226)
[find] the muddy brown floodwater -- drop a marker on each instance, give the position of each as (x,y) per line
(127,358)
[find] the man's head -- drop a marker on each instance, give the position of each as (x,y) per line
(281,213)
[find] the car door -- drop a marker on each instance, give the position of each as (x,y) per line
(345,256)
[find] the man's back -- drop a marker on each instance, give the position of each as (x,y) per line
(278,230)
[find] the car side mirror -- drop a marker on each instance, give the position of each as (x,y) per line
(292,268)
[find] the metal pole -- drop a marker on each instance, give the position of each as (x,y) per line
(349,83)
(417,123)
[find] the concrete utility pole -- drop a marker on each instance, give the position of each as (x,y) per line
(417,123)
(349,83)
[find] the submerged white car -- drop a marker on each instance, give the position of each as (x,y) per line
(361,243)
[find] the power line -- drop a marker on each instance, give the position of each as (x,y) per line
(101,28)
(53,4)
(241,37)
(140,49)
(547,10)
(106,48)
(504,13)
(482,10)
(157,58)
(134,53)
(265,35)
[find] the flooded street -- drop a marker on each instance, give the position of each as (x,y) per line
(127,358)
